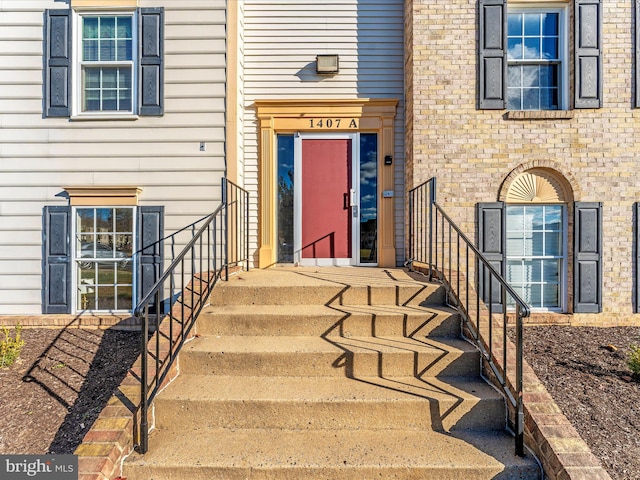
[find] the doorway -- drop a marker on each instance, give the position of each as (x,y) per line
(327,199)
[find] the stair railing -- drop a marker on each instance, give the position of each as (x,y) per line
(475,287)
(167,313)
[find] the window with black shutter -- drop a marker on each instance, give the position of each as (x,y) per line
(522,55)
(526,244)
(120,62)
(100,259)
(56,259)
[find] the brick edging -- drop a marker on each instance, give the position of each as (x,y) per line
(560,449)
(551,436)
(110,440)
(111,437)
(89,321)
(548,433)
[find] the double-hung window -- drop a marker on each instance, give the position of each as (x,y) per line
(527,242)
(107,68)
(100,258)
(523,55)
(103,258)
(100,64)
(536,46)
(535,254)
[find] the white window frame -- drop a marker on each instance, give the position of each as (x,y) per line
(75,261)
(563,45)
(77,64)
(563,270)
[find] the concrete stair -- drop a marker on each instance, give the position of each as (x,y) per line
(332,373)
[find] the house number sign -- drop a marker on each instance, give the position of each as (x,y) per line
(328,123)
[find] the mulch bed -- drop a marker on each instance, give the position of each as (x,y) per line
(63,379)
(585,371)
(55,391)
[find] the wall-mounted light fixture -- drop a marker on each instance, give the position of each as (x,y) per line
(326,64)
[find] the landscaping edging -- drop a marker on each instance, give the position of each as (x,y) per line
(550,436)
(112,436)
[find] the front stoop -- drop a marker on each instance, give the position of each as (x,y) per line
(329,373)
(562,452)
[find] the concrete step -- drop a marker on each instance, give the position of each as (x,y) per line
(209,454)
(354,357)
(333,286)
(329,373)
(407,403)
(310,320)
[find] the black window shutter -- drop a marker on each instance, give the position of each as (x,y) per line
(637,258)
(587,257)
(491,243)
(637,52)
(151,71)
(588,53)
(150,247)
(492,54)
(57,58)
(56,259)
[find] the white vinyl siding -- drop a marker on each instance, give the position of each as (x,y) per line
(39,156)
(281,41)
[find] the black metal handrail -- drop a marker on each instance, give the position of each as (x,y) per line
(170,308)
(473,285)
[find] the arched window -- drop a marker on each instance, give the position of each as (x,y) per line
(536,239)
(526,237)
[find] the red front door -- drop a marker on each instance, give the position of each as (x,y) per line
(326,185)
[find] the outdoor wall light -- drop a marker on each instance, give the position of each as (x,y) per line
(327,64)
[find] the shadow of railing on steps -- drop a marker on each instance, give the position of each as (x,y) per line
(221,244)
(422,386)
(438,248)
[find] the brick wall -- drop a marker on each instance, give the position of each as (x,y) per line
(472,152)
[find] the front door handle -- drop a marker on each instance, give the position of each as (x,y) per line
(353,203)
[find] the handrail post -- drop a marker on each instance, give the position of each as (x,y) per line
(503,300)
(432,199)
(225,202)
(246,227)
(519,390)
(412,237)
(144,384)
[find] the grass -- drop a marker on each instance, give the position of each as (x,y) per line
(633,361)
(10,346)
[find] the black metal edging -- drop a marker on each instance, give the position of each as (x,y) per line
(239,234)
(526,311)
(416,228)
